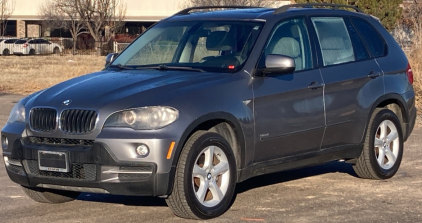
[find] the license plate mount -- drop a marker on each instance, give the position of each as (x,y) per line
(53,161)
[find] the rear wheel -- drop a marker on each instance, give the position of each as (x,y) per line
(205,177)
(383,148)
(6,52)
(49,196)
(56,50)
(32,52)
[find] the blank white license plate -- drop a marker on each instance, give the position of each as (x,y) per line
(53,161)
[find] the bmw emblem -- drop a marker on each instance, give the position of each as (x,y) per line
(67,102)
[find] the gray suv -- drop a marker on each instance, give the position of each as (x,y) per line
(206,99)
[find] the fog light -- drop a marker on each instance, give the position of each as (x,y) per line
(142,150)
(6,160)
(4,142)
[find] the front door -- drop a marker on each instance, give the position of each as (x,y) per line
(289,108)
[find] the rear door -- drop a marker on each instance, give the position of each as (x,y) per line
(353,80)
(289,108)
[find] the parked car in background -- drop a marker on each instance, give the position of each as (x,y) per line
(35,46)
(6,46)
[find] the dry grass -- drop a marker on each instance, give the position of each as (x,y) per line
(28,74)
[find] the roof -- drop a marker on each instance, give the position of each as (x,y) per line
(243,14)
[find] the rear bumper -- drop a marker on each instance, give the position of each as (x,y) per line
(411,122)
(92,169)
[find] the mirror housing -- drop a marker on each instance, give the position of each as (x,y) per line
(276,64)
(110,57)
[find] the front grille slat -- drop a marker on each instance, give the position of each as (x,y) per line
(84,118)
(43,119)
(76,121)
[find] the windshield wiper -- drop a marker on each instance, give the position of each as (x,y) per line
(165,67)
(120,66)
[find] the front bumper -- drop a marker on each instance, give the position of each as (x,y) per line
(92,169)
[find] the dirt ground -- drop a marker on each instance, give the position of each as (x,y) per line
(324,193)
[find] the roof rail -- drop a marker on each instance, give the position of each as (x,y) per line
(284,8)
(186,11)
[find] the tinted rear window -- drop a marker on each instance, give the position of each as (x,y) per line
(10,41)
(374,42)
(20,41)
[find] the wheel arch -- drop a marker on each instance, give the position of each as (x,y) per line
(220,122)
(389,101)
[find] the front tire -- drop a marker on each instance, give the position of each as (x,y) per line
(383,148)
(50,196)
(205,177)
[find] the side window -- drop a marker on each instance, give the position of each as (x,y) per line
(290,38)
(334,39)
(373,40)
(32,41)
(359,47)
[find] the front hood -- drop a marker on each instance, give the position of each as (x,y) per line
(121,89)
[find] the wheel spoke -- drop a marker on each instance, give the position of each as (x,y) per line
(221,168)
(392,136)
(202,191)
(378,142)
(383,128)
(390,155)
(215,190)
(199,172)
(209,156)
(381,157)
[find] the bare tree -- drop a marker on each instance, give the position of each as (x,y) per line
(63,14)
(103,18)
(7,7)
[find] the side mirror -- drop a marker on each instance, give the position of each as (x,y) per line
(110,57)
(278,64)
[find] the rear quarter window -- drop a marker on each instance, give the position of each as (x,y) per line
(373,40)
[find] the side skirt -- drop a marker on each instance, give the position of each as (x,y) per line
(348,152)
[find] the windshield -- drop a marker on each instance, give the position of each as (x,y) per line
(211,46)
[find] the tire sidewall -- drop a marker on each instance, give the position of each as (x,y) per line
(381,116)
(209,139)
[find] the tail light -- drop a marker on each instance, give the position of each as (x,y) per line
(409,74)
(25,45)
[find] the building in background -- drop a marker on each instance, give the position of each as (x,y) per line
(140,14)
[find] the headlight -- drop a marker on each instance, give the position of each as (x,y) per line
(17,114)
(146,118)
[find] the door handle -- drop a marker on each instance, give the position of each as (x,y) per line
(315,85)
(374,74)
